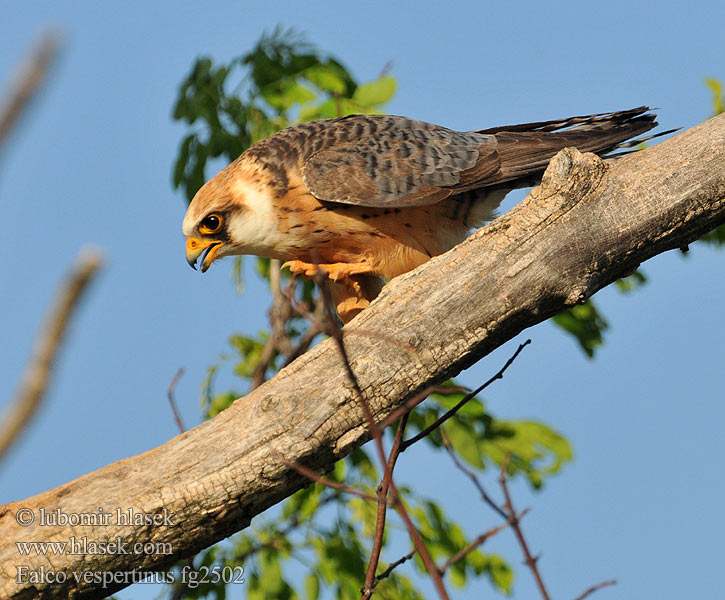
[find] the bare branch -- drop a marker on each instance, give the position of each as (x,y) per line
(336,334)
(463,552)
(302,345)
(514,521)
(172,400)
(595,588)
(472,476)
(335,485)
(443,418)
(279,314)
(392,566)
(419,544)
(26,83)
(382,494)
(38,373)
(417,399)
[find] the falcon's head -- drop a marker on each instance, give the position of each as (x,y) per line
(230,214)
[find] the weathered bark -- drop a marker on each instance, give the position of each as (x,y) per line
(585,226)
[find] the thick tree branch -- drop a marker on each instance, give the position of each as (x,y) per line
(584,227)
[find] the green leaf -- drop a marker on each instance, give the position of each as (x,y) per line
(464,442)
(312,586)
(535,449)
(283,96)
(339,471)
(716,237)
(334,107)
(327,77)
(360,460)
(584,322)
(631,283)
(365,514)
(474,408)
(375,93)
(499,573)
(718,99)
(270,573)
(303,504)
(194,174)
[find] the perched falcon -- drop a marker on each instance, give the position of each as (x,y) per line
(370,197)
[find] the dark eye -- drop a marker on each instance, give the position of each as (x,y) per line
(211,224)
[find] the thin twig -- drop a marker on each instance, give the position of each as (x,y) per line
(442,419)
(513,520)
(27,81)
(282,309)
(265,358)
(278,340)
(302,345)
(172,400)
(419,544)
(387,67)
(411,403)
(318,321)
(472,476)
(336,333)
(393,566)
(335,485)
(479,541)
(382,493)
(281,534)
(183,585)
(457,557)
(595,588)
(38,373)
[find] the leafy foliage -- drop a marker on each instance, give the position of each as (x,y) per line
(228,107)
(585,323)
(716,237)
(483,441)
(283,80)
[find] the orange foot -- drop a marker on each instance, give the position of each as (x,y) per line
(335,271)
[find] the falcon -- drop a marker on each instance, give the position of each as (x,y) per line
(365,198)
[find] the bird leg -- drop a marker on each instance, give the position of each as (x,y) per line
(351,285)
(335,271)
(354,294)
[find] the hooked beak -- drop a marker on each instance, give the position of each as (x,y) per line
(195,247)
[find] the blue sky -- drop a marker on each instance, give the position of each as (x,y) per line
(91,164)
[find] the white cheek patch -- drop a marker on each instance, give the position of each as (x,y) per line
(254,227)
(257,202)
